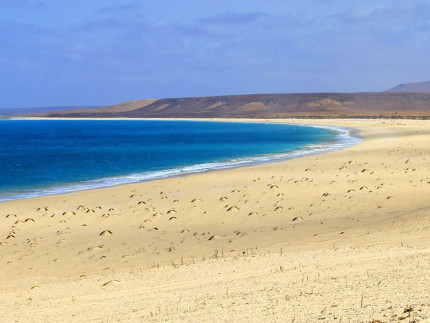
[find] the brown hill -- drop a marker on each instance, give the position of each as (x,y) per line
(118,108)
(412,87)
(311,105)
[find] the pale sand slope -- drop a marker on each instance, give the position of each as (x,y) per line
(341,236)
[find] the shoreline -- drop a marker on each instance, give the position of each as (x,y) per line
(343,234)
(344,139)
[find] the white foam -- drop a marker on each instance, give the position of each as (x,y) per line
(343,138)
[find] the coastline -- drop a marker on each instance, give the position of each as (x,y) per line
(332,234)
(344,139)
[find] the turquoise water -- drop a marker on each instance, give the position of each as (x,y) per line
(41,157)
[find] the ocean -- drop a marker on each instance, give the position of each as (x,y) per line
(43,157)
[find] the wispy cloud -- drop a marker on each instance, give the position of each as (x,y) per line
(118,8)
(21,4)
(120,52)
(232,18)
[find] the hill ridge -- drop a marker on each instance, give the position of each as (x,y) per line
(418,87)
(282,105)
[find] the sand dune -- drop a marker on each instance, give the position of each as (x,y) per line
(339,236)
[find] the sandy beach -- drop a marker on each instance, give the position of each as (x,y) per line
(342,236)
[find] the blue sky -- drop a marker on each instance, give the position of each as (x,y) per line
(90,52)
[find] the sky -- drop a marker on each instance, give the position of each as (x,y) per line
(103,52)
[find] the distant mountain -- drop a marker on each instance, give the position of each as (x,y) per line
(301,105)
(412,87)
(114,109)
(26,111)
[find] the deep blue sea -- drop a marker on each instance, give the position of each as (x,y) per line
(42,157)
